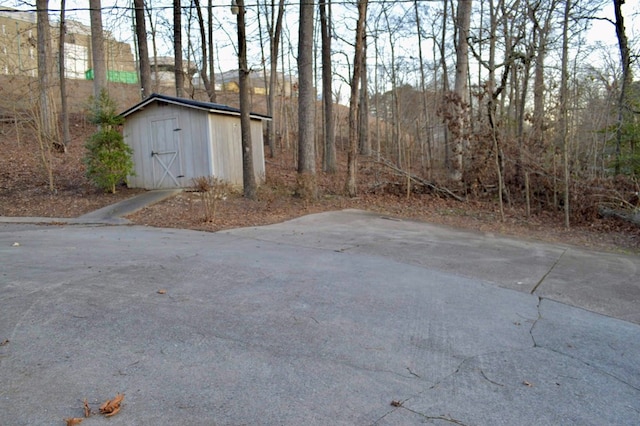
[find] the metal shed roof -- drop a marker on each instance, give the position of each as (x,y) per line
(190,103)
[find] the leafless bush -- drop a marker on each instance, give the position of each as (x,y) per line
(212,190)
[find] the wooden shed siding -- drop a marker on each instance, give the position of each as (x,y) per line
(192,138)
(208,143)
(226,148)
(257,145)
(133,136)
(195,147)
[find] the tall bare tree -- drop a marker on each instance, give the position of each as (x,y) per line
(97,47)
(154,45)
(306,101)
(460,102)
(423,135)
(364,143)
(44,68)
(203,48)
(143,49)
(274,41)
(352,158)
(44,122)
(542,23)
(212,71)
(64,108)
(627,77)
(248,174)
(177,48)
(564,106)
(329,160)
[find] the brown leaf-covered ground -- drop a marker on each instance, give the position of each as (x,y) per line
(24,182)
(24,191)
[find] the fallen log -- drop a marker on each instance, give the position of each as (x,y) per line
(417,179)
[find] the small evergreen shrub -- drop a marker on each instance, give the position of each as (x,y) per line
(108,157)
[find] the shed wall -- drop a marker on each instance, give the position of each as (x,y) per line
(257,145)
(172,144)
(226,148)
(193,159)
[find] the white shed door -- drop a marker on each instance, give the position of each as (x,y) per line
(165,153)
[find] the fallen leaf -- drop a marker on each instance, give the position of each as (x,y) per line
(74,421)
(114,412)
(527,384)
(87,409)
(112,406)
(395,403)
(16,244)
(162,291)
(4,342)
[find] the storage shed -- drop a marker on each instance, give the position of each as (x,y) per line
(175,140)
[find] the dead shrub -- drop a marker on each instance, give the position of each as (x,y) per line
(211,190)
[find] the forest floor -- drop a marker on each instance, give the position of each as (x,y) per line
(25,191)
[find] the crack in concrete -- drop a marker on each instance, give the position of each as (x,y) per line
(448,419)
(535,322)
(489,380)
(400,406)
(598,369)
(401,402)
(548,272)
(559,352)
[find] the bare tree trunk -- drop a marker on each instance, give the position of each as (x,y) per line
(306,100)
(352,159)
(445,78)
(44,67)
(203,46)
(274,39)
(364,143)
(460,102)
(64,108)
(248,174)
(154,47)
(395,110)
(44,122)
(377,101)
(177,48)
(188,28)
(97,48)
(493,95)
(329,163)
(143,50)
(564,119)
(212,71)
(422,133)
(627,77)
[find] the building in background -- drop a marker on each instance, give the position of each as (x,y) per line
(258,82)
(18,44)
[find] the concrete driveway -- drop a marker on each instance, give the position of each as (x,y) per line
(336,318)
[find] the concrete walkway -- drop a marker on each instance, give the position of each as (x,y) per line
(335,318)
(110,215)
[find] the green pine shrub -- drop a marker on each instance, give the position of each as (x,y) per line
(108,158)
